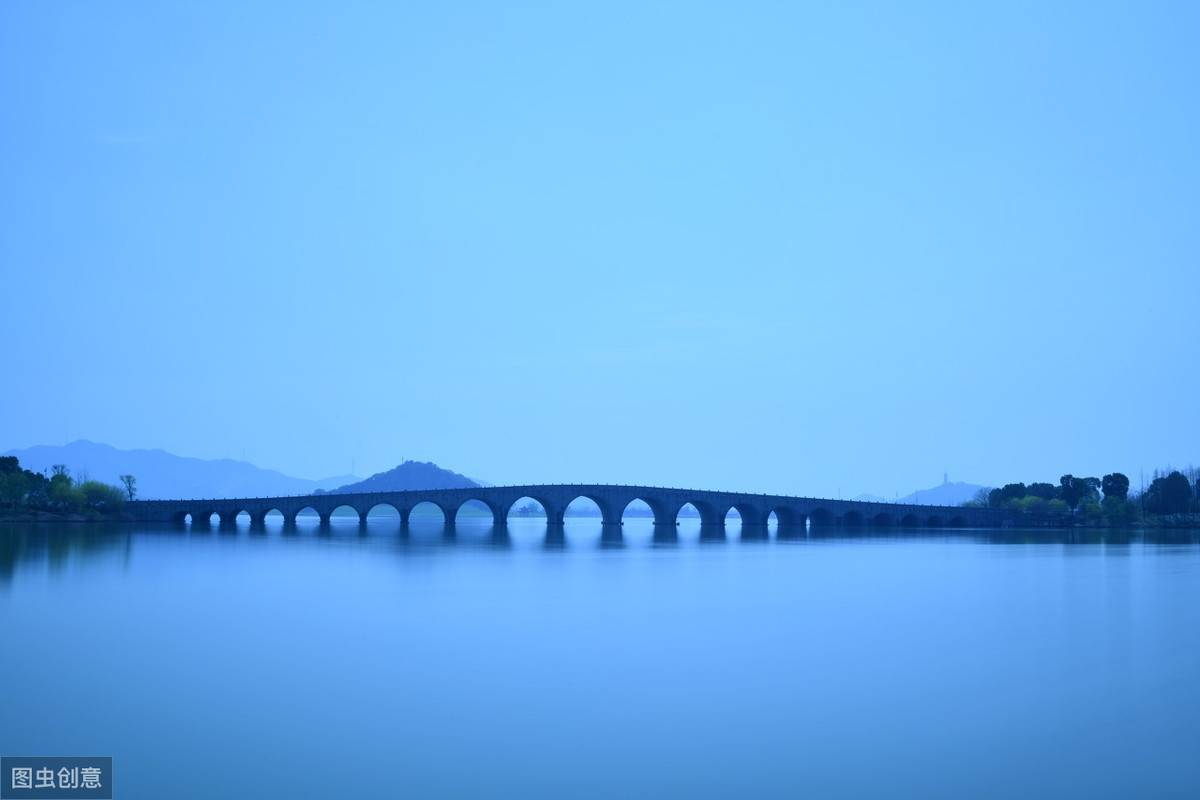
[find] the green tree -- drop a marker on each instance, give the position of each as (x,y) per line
(1057,506)
(1030,504)
(982,499)
(130,484)
(1115,485)
(100,496)
(998,498)
(63,494)
(1118,510)
(1091,510)
(1169,495)
(1046,491)
(13,488)
(1075,490)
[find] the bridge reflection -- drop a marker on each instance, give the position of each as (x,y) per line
(55,545)
(644,531)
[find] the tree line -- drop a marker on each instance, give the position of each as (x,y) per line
(1105,499)
(59,492)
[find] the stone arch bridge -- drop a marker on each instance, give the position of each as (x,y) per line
(791,513)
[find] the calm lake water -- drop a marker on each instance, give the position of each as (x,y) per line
(216,664)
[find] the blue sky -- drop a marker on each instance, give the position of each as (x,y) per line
(779,247)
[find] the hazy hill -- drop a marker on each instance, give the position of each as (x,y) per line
(411,475)
(948,494)
(163,475)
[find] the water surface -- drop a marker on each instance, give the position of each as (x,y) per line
(348,663)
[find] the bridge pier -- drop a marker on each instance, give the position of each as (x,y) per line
(555,516)
(499,536)
(555,538)
(325,518)
(611,535)
(791,530)
(665,534)
(755,531)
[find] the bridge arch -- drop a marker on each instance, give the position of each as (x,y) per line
(789,521)
(427,511)
(820,518)
(753,522)
(882,520)
(499,515)
(344,513)
(910,520)
(305,514)
(384,508)
(935,521)
(527,507)
(852,519)
(687,515)
(745,513)
(711,516)
(659,512)
(958,522)
(608,515)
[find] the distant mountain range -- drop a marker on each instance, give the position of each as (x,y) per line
(162,475)
(947,494)
(411,475)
